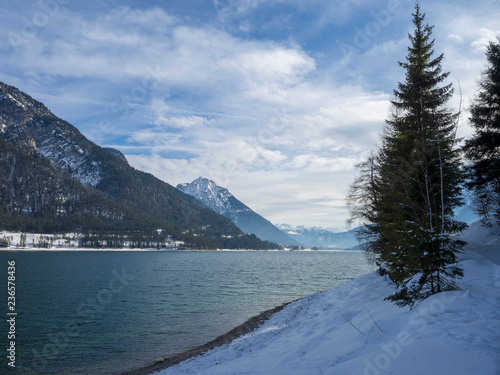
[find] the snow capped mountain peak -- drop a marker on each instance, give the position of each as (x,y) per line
(220,200)
(211,195)
(205,186)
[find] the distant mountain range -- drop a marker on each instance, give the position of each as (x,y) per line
(332,239)
(220,200)
(320,237)
(53,179)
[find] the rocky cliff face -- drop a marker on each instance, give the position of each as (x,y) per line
(220,200)
(28,123)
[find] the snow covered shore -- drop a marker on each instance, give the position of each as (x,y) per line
(350,329)
(18,241)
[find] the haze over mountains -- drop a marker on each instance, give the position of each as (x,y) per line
(322,238)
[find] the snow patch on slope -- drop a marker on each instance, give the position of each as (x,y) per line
(72,158)
(31,124)
(18,102)
(216,198)
(350,329)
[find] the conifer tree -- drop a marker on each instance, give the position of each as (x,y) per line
(483,149)
(417,179)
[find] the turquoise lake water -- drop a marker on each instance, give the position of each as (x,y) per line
(101,312)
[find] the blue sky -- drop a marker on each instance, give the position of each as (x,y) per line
(277,100)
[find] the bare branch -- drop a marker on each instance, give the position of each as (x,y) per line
(351,323)
(381,330)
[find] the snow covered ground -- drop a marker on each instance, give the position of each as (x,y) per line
(351,329)
(64,242)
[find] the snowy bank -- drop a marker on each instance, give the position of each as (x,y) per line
(351,329)
(19,241)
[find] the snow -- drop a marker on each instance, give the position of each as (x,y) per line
(323,238)
(33,240)
(66,242)
(18,102)
(351,329)
(212,196)
(74,159)
(485,237)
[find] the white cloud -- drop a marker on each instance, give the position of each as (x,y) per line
(484,38)
(155,138)
(240,11)
(125,44)
(280,126)
(180,121)
(456,38)
(463,35)
(314,163)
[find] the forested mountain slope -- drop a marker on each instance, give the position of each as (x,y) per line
(55,179)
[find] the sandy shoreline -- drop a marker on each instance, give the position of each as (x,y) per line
(243,329)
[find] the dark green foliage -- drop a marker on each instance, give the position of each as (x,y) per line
(483,149)
(406,193)
(37,197)
(4,242)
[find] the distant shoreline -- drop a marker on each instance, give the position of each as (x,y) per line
(28,249)
(71,241)
(33,249)
(249,326)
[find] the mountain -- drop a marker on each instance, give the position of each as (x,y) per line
(54,179)
(333,239)
(320,237)
(223,202)
(117,153)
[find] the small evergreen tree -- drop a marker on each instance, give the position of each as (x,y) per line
(363,199)
(4,242)
(483,149)
(406,194)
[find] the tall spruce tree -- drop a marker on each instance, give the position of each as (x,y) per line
(413,183)
(483,149)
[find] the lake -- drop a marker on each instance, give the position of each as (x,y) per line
(106,312)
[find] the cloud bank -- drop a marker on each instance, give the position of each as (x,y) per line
(277,100)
